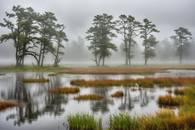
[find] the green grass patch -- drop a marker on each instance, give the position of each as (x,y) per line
(83,122)
(188,107)
(123,121)
(179,91)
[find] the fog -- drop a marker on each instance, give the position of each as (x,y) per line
(77,16)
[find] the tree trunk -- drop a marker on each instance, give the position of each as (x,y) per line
(57,56)
(103,60)
(129,52)
(181,55)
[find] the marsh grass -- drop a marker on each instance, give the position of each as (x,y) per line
(189,105)
(35,80)
(83,122)
(145,82)
(123,121)
(89,97)
(162,120)
(7,104)
(64,90)
(52,74)
(170,101)
(117,94)
(179,91)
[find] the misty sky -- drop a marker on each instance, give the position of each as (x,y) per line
(77,15)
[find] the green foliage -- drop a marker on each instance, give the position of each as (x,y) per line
(100,36)
(149,41)
(31,31)
(128,27)
(181,39)
(82,122)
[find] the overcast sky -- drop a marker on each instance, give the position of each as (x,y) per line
(77,15)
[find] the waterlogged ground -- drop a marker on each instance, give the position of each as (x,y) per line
(45,111)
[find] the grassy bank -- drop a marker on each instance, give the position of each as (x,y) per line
(139,69)
(145,82)
(29,68)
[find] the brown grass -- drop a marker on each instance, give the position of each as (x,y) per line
(89,97)
(145,82)
(52,74)
(124,69)
(112,70)
(171,101)
(7,104)
(34,80)
(64,90)
(118,94)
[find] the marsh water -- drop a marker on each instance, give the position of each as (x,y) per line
(46,111)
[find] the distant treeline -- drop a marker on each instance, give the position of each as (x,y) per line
(39,34)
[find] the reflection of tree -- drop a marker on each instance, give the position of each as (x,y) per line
(54,101)
(32,109)
(144,99)
(103,104)
(126,102)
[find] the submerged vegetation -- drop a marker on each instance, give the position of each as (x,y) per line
(34,80)
(146,82)
(7,104)
(64,90)
(118,94)
(83,122)
(89,97)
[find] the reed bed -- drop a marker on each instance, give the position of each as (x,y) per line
(83,122)
(7,104)
(35,80)
(170,101)
(188,107)
(64,90)
(117,94)
(164,119)
(123,121)
(89,97)
(179,91)
(145,82)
